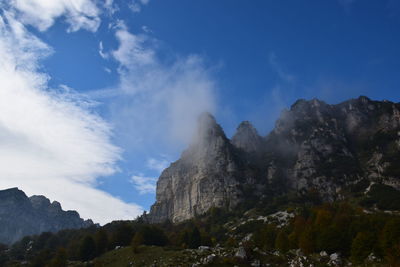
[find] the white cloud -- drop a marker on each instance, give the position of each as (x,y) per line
(50,141)
(136,5)
(79,14)
(146,29)
(143,184)
(132,52)
(156,102)
(110,6)
(157,164)
(282,74)
(101,51)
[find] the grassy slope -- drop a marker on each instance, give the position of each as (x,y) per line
(146,256)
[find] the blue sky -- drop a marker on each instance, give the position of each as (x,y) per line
(122,82)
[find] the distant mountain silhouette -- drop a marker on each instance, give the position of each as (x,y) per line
(21,216)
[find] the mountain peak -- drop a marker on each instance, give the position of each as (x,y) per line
(363,99)
(39,201)
(246,137)
(11,193)
(207,130)
(304,105)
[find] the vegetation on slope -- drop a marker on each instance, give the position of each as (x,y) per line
(313,232)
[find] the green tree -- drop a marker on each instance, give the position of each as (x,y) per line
(306,241)
(391,241)
(122,236)
(361,247)
(282,241)
(41,258)
(329,239)
(150,236)
(87,249)
(265,237)
(137,240)
(60,259)
(184,239)
(205,238)
(194,238)
(101,240)
(299,224)
(4,257)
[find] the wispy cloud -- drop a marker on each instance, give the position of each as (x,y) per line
(157,164)
(136,5)
(78,14)
(143,184)
(156,102)
(101,51)
(282,74)
(50,141)
(146,29)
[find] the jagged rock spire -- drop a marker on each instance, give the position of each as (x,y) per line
(205,176)
(207,129)
(246,137)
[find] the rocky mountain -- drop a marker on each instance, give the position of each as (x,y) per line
(247,138)
(208,174)
(21,216)
(333,152)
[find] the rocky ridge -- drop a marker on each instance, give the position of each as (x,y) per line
(332,151)
(21,216)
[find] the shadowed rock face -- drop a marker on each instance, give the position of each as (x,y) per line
(21,216)
(313,147)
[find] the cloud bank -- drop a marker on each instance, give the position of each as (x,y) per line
(50,141)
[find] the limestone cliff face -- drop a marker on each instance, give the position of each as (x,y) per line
(328,149)
(331,147)
(21,216)
(209,174)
